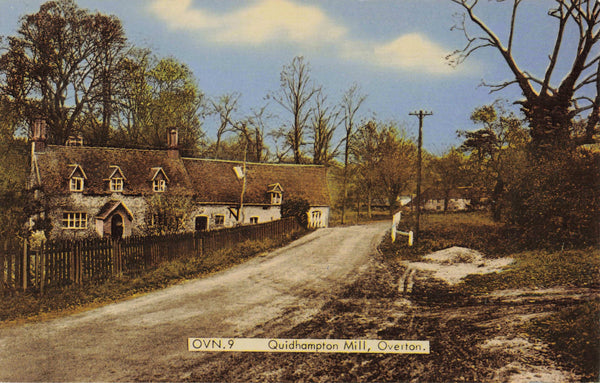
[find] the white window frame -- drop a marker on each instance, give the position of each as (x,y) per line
(221,217)
(116,184)
(76,184)
(275,198)
(74,220)
(159,186)
(254,220)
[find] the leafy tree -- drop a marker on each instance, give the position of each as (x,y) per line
(162,94)
(395,169)
(366,156)
(60,63)
(549,108)
(449,173)
(496,151)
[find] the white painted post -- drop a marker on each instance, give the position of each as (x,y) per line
(393,233)
(410,238)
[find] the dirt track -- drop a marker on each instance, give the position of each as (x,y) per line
(146,338)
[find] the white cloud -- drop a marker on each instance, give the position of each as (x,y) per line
(262,22)
(284,21)
(413,52)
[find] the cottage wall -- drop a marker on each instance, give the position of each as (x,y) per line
(80,203)
(211,212)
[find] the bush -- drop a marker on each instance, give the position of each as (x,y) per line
(555,202)
(296,207)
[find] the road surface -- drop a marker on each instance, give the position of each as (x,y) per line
(146,337)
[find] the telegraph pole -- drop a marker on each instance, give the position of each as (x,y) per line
(421,115)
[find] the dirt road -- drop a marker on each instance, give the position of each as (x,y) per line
(146,338)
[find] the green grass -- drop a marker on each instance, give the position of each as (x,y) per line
(542,269)
(67,299)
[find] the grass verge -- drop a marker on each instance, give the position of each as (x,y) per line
(32,306)
(572,333)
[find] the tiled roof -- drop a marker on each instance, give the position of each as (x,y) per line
(209,181)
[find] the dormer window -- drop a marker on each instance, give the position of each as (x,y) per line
(116,184)
(274,192)
(77,178)
(159,186)
(76,184)
(116,179)
(159,180)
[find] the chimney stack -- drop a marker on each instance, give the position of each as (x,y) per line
(173,144)
(39,135)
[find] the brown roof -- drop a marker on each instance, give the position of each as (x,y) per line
(55,165)
(209,181)
(216,181)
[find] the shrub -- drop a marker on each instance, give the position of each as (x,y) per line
(555,202)
(296,207)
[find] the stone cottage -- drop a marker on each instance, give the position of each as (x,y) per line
(118,192)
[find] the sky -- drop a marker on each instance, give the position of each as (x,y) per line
(392,49)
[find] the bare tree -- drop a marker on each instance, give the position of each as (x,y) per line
(226,105)
(550,109)
(351,103)
(295,94)
(325,119)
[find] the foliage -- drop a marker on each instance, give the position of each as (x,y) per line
(60,55)
(448,173)
(555,201)
(385,160)
(167,213)
(17,203)
(496,151)
(296,207)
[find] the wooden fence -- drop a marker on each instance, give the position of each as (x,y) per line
(62,262)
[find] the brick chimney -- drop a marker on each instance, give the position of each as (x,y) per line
(173,144)
(39,135)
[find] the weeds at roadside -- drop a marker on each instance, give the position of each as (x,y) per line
(30,305)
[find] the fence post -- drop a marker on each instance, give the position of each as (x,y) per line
(25,268)
(43,267)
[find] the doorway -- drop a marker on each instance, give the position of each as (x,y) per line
(116,226)
(201,223)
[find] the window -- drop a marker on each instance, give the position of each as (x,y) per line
(275,198)
(76,184)
(253,220)
(315,218)
(74,220)
(159,185)
(116,184)
(219,219)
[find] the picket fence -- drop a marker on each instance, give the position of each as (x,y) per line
(63,262)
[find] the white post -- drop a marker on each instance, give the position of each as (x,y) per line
(410,238)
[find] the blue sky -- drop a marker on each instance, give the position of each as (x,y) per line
(392,49)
